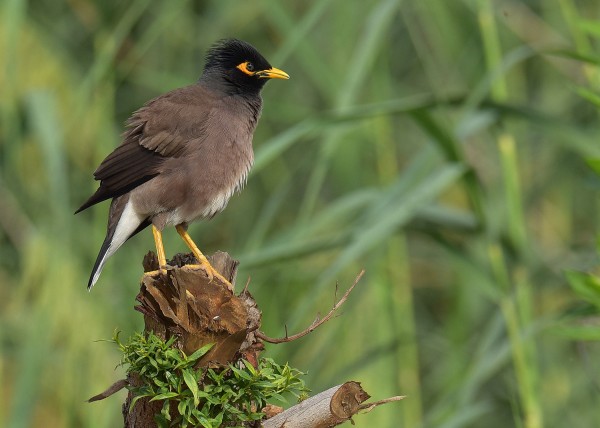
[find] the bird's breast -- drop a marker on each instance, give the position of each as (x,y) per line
(215,178)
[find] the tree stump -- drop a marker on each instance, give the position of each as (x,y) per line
(185,304)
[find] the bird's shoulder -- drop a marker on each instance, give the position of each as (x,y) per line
(178,121)
(167,124)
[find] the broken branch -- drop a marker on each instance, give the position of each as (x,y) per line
(370,406)
(317,322)
(115,387)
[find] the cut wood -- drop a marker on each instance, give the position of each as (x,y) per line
(327,409)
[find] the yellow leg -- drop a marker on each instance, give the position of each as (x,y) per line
(160,249)
(202,260)
(160,253)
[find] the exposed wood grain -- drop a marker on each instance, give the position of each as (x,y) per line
(327,409)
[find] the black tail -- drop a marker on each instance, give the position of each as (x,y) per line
(99,260)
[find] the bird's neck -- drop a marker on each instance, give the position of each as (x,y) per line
(219,82)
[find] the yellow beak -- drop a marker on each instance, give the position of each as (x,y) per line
(273,73)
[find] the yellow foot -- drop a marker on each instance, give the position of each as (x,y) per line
(154,273)
(211,272)
(202,260)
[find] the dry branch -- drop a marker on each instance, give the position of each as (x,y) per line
(317,322)
(370,406)
(114,388)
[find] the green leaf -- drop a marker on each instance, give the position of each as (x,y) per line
(200,352)
(241,373)
(135,400)
(161,421)
(250,368)
(591,27)
(182,407)
(279,398)
(580,332)
(594,164)
(164,396)
(192,384)
(218,420)
(206,423)
(586,286)
(589,95)
(266,384)
(577,56)
(165,411)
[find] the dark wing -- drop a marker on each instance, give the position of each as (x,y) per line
(159,130)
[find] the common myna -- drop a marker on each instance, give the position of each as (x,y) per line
(184,153)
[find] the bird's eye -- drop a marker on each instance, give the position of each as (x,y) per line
(246,67)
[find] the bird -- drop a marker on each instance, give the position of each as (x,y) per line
(184,154)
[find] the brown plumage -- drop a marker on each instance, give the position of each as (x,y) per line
(184,153)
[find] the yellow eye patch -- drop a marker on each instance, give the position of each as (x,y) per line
(246,67)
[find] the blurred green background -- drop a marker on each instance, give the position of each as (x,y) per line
(449,147)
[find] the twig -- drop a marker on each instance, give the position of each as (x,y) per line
(370,406)
(337,287)
(246,286)
(317,322)
(115,387)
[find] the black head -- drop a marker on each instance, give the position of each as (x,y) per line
(239,67)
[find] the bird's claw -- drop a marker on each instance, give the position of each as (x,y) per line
(211,272)
(160,271)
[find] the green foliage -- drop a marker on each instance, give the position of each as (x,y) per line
(580,322)
(207,397)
